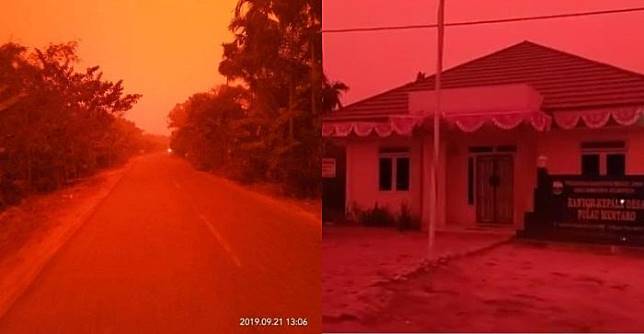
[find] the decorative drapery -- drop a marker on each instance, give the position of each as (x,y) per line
(399,125)
(404,125)
(595,119)
(470,123)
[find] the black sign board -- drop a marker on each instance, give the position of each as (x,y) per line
(579,208)
(608,204)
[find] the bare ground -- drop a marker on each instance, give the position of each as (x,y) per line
(522,286)
(357,263)
(39,213)
(30,233)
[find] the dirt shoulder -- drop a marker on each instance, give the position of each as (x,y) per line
(32,232)
(310,208)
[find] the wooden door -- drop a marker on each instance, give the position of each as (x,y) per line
(494,189)
(484,189)
(504,190)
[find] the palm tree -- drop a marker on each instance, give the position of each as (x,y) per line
(332,95)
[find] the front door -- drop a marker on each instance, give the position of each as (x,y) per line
(494,189)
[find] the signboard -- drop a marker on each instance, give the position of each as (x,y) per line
(605,204)
(328,168)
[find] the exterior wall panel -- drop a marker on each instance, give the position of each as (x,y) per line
(362,170)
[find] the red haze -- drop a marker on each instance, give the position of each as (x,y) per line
(376,61)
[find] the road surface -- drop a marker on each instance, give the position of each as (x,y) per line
(174,250)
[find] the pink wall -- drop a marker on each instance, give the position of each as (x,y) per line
(562,147)
(362,174)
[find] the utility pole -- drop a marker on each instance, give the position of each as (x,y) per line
(437,114)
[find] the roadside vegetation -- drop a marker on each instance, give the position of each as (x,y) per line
(264,125)
(57,123)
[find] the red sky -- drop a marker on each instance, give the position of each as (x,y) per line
(376,61)
(163,49)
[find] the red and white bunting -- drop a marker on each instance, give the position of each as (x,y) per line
(405,125)
(598,118)
(539,121)
(399,125)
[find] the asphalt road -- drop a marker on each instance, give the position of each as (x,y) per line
(174,250)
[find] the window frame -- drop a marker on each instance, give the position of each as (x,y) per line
(603,149)
(394,156)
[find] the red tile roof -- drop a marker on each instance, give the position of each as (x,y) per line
(566,81)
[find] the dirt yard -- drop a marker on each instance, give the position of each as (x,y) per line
(357,261)
(525,287)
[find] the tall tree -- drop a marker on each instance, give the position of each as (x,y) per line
(274,54)
(276,57)
(57,123)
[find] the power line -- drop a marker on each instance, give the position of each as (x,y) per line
(469,23)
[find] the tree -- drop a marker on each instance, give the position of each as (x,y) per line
(274,53)
(207,128)
(332,95)
(57,123)
(275,58)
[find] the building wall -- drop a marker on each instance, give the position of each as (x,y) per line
(562,147)
(362,174)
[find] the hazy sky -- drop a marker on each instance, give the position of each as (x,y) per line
(163,49)
(376,61)
(169,49)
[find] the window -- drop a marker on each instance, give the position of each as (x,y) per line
(590,164)
(402,174)
(615,164)
(394,170)
(603,158)
(385,173)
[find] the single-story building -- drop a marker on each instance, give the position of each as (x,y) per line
(501,115)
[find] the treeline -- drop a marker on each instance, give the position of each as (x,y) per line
(57,123)
(264,125)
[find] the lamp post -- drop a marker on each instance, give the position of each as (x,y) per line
(436,156)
